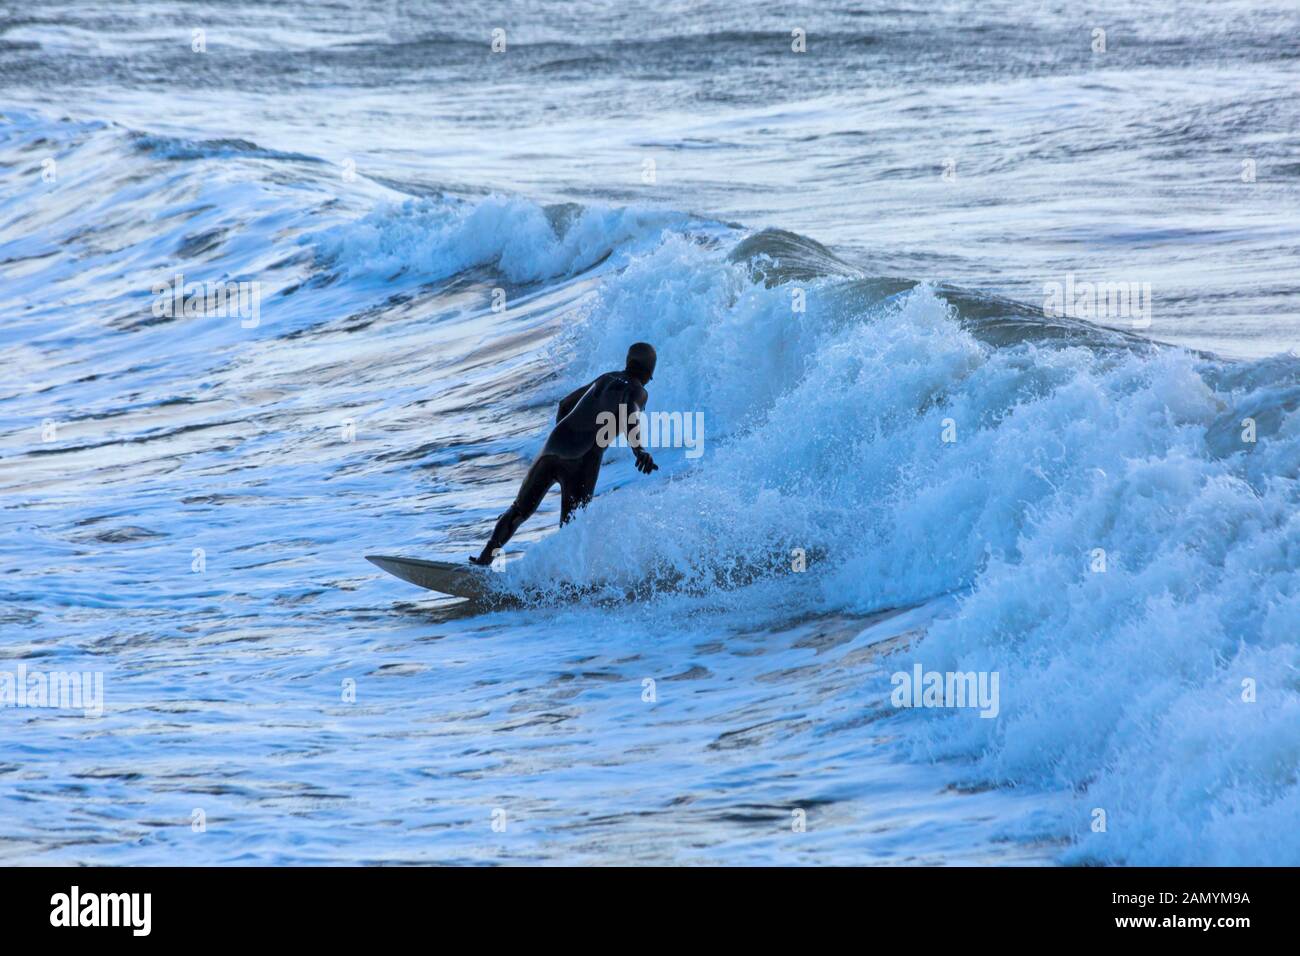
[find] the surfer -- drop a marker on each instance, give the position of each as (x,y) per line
(573,452)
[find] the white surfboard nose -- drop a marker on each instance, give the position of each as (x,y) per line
(458,580)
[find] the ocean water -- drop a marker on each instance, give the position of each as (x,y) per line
(842,256)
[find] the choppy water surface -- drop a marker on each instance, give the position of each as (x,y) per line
(186,500)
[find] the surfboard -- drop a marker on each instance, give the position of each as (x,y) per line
(476,584)
(445,577)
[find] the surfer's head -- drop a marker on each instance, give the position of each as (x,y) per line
(641,361)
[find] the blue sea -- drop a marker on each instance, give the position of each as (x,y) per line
(856,235)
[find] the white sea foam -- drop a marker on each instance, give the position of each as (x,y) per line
(435,238)
(1124,686)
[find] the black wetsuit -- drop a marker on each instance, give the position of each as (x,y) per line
(572,454)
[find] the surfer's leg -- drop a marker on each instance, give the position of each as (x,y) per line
(536,484)
(578,484)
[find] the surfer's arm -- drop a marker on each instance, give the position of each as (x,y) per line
(644,463)
(570,400)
